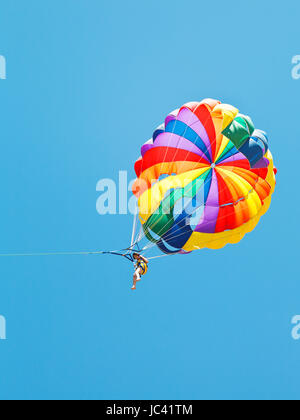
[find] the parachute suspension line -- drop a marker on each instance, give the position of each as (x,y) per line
(133,236)
(126,253)
(151,245)
(161,256)
(140,235)
(46,254)
(171,221)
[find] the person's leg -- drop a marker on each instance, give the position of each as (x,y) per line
(134,282)
(136,278)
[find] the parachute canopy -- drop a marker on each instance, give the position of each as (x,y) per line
(204,179)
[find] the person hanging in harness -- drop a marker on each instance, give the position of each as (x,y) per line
(141,268)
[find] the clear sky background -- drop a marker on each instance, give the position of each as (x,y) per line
(87,82)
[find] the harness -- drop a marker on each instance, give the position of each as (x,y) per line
(143,266)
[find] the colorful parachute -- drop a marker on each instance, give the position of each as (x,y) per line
(204,179)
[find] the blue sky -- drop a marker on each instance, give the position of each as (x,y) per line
(87,82)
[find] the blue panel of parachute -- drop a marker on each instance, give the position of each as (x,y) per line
(255,147)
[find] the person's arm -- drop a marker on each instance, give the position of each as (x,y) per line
(144,259)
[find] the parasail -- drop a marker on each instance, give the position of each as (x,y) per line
(204,179)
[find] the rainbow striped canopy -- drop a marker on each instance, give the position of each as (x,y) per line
(204,179)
